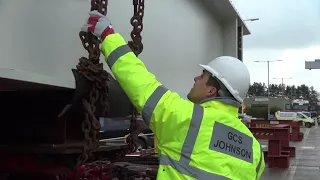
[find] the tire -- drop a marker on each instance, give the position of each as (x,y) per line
(141,145)
(308,125)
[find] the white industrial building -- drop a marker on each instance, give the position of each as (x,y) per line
(39,39)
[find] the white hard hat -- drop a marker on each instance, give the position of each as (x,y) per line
(232,73)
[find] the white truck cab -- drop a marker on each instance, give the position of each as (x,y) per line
(295,116)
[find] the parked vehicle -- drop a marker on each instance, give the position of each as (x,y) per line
(296,116)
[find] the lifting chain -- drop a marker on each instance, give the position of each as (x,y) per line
(92,69)
(137,47)
(136,21)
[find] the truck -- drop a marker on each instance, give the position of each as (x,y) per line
(296,116)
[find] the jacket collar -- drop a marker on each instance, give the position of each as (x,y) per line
(222,103)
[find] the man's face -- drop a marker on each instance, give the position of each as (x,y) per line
(201,90)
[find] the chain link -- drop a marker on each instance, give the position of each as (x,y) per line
(137,47)
(92,69)
(136,21)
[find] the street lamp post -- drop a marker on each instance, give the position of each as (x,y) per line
(268,62)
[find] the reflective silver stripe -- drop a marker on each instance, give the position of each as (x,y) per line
(152,103)
(192,134)
(182,166)
(188,170)
(260,161)
(116,54)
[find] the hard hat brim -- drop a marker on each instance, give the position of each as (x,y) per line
(208,68)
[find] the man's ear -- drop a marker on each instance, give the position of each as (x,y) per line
(212,91)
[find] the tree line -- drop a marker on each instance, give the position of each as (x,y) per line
(284,91)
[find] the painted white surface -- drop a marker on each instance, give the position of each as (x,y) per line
(41,36)
(230,38)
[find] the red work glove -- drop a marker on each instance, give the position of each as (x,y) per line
(98,24)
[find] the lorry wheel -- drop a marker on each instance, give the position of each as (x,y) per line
(308,125)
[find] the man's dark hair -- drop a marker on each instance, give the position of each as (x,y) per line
(212,81)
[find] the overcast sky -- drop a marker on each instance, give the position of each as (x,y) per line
(288,30)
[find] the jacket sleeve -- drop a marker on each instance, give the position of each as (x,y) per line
(261,167)
(156,103)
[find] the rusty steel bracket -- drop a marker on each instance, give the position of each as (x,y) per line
(295,134)
(83,87)
(119,103)
(279,151)
(277,132)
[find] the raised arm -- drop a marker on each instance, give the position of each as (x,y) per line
(156,103)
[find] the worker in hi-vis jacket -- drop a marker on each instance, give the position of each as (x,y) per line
(202,138)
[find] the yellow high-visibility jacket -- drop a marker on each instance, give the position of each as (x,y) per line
(206,142)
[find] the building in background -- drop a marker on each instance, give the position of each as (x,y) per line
(177,35)
(262,102)
(259,105)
